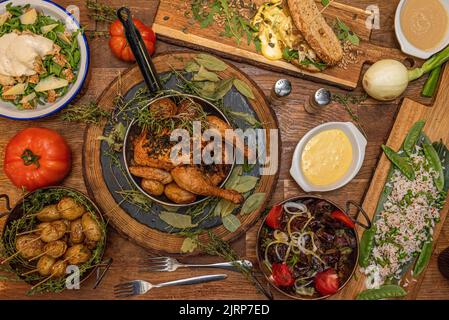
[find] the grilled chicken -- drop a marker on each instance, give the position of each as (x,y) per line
(178,195)
(151,174)
(221,126)
(195,181)
(145,153)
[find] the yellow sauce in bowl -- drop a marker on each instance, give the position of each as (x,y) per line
(327,157)
(424,23)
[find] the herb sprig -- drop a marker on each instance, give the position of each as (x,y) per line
(235,24)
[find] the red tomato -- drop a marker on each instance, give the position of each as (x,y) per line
(274,217)
(327,282)
(37,158)
(282,275)
(342,217)
(119,44)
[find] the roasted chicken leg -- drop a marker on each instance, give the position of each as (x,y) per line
(192,179)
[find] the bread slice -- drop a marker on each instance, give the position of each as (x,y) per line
(318,34)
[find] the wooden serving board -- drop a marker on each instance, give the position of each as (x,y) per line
(173,25)
(142,234)
(436,128)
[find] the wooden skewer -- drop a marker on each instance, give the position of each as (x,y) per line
(29,272)
(43,281)
(11,257)
(38,256)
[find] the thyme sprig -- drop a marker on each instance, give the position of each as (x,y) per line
(346,101)
(89,113)
(101,12)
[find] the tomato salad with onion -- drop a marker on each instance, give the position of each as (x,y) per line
(308,247)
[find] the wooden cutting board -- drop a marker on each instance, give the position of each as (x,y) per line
(173,24)
(436,128)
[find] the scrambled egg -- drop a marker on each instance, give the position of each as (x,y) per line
(276,32)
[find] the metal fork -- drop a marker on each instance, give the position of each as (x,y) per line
(169,264)
(137,287)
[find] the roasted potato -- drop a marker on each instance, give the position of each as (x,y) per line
(55,249)
(188,109)
(91,228)
(78,254)
(59,269)
(70,209)
(45,265)
(54,231)
(163,108)
(49,213)
(153,187)
(178,195)
(29,246)
(149,173)
(76,232)
(90,244)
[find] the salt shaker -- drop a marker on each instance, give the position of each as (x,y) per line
(281,89)
(318,101)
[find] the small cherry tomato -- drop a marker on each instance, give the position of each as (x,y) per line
(282,275)
(274,217)
(327,282)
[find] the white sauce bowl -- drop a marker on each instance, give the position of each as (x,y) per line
(9,110)
(406,46)
(358,143)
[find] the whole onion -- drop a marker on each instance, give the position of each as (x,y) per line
(386,80)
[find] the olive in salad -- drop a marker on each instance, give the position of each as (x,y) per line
(39,57)
(308,248)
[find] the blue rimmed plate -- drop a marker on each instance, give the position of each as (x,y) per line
(9,110)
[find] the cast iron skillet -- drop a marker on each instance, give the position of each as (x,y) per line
(154,85)
(16,213)
(260,254)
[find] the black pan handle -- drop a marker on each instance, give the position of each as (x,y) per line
(356,217)
(7,204)
(139,50)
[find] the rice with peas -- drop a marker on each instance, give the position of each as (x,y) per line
(405,223)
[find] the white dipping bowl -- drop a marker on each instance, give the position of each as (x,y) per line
(9,110)
(358,143)
(406,46)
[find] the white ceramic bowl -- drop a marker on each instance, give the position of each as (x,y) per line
(9,110)
(406,46)
(358,143)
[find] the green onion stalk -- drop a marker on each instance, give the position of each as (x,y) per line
(387,79)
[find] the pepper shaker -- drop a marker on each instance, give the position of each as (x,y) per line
(318,101)
(281,89)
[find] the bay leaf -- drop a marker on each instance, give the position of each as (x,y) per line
(210,62)
(248,118)
(180,221)
(234,178)
(206,89)
(192,66)
(231,223)
(243,88)
(223,87)
(189,245)
(224,208)
(204,75)
(253,203)
(246,183)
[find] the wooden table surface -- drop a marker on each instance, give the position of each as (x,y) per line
(376,118)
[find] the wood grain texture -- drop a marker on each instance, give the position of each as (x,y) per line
(172,24)
(149,238)
(377,118)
